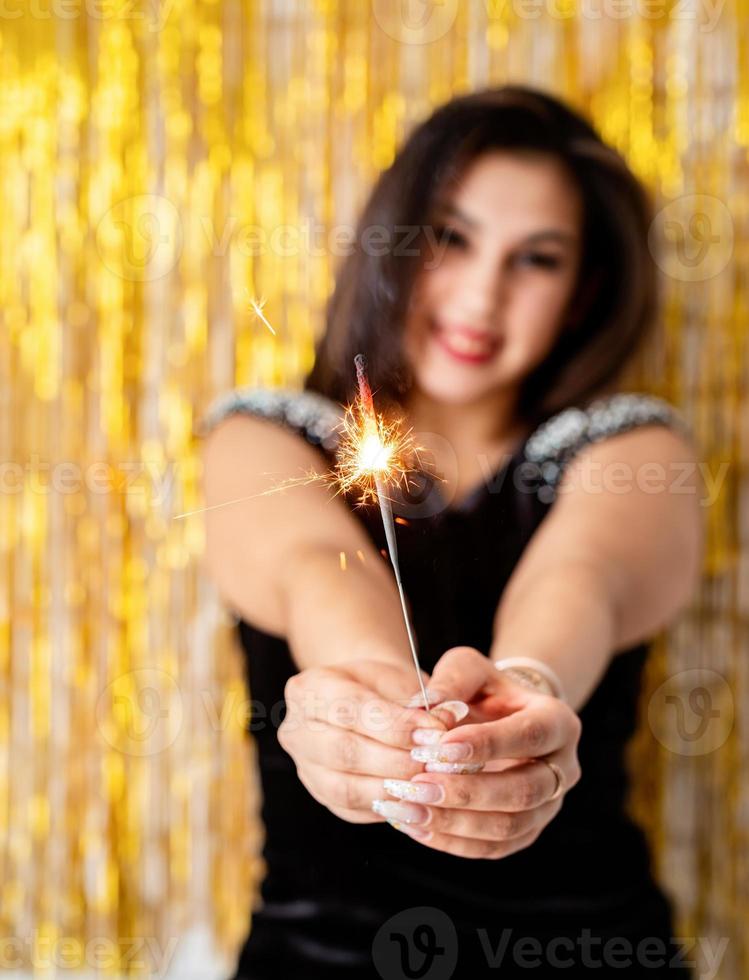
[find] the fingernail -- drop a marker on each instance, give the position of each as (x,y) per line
(418,699)
(417,792)
(409,813)
(452,752)
(454,767)
(426,736)
(411,831)
(457,708)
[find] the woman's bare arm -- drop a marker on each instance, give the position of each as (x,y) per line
(613,562)
(276,557)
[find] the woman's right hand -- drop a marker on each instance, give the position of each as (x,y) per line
(348,727)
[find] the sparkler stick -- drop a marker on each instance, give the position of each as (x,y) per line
(386,511)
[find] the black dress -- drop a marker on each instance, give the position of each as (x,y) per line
(364,900)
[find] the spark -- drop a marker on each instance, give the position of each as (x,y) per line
(375,454)
(257,309)
(311,476)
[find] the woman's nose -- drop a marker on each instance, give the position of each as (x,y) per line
(480,289)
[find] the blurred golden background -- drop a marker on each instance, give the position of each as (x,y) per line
(163,163)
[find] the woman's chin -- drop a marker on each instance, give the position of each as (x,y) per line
(453,391)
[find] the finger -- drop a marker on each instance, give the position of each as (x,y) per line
(493,825)
(450,712)
(500,825)
(320,695)
(543,726)
(438,703)
(346,751)
(465,672)
(387,679)
(523,787)
(395,683)
(348,797)
(391,682)
(469,847)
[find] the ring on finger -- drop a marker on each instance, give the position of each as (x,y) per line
(558,776)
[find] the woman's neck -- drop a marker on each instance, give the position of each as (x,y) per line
(479,436)
(489,422)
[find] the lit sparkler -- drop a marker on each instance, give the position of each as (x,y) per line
(373,455)
(377,455)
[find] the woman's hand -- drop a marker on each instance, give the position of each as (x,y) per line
(348,725)
(497,796)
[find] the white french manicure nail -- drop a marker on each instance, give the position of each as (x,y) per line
(416,832)
(416,792)
(456,768)
(418,699)
(452,752)
(459,709)
(408,813)
(426,736)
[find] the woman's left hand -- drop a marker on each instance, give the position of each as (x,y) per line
(497,798)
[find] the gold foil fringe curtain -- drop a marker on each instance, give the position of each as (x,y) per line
(160,164)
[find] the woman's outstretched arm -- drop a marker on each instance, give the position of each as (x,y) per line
(276,556)
(616,558)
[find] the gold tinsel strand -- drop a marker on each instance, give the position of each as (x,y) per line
(161,164)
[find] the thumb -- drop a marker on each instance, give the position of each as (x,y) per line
(471,676)
(462,672)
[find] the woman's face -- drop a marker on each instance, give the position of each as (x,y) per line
(488,306)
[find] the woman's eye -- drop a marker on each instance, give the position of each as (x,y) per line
(539,259)
(450,236)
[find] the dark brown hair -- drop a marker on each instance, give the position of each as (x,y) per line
(615,293)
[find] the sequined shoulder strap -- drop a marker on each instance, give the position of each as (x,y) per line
(559,438)
(312,415)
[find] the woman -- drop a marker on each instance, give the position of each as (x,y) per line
(488,835)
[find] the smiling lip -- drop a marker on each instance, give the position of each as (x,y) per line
(466,344)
